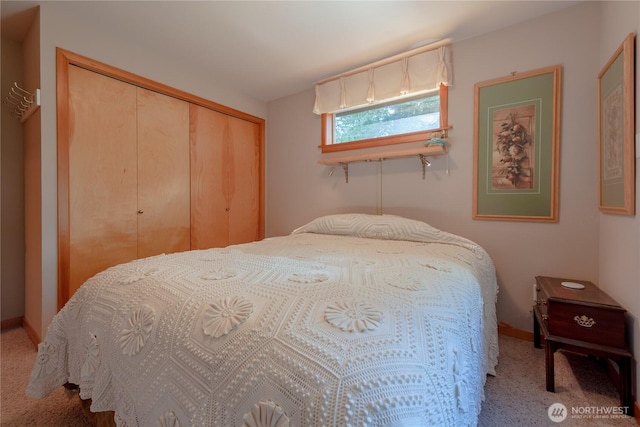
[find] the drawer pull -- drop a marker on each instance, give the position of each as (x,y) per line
(584,321)
(541,302)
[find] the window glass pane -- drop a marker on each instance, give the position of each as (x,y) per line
(400,117)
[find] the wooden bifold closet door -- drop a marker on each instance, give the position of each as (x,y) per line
(225,179)
(128,174)
(145,169)
(163,174)
(102,174)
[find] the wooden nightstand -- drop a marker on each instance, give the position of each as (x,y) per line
(586,321)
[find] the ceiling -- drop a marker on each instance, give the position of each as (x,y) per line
(271,49)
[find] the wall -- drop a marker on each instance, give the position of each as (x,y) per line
(35,295)
(76,26)
(12,190)
(299,189)
(619,235)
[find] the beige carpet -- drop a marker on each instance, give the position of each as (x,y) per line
(515,397)
(17,356)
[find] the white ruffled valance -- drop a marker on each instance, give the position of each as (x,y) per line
(415,72)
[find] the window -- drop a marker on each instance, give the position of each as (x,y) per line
(389,119)
(413,119)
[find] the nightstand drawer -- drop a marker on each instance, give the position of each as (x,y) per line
(585,323)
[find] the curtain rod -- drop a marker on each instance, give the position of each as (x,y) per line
(407,54)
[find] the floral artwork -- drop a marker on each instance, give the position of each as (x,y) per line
(613,138)
(616,103)
(517,150)
(513,162)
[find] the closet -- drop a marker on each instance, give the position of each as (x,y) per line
(145,169)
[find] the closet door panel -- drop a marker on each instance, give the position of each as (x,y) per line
(102,174)
(242,144)
(209,187)
(163,174)
(225,179)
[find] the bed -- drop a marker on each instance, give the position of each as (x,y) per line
(351,320)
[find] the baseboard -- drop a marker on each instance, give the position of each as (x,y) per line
(21,322)
(11,323)
(31,333)
(510,331)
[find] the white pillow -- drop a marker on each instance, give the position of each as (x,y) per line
(384,227)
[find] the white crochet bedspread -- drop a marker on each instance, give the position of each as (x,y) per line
(384,322)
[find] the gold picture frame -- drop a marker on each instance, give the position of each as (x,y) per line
(616,163)
(516,146)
